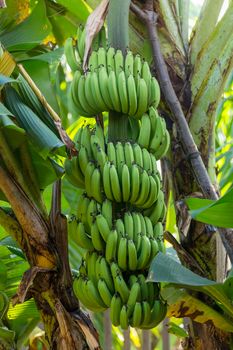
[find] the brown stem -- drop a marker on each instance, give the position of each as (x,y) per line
(149,17)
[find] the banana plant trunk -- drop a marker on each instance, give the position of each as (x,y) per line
(48,280)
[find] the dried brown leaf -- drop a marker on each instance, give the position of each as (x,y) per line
(94,24)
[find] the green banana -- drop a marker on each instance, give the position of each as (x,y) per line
(103,226)
(133,296)
(132,255)
(137,315)
(82,238)
(145,253)
(125,183)
(107,211)
(142,95)
(107,182)
(122,91)
(121,288)
(145,130)
(96,238)
(122,254)
(115,184)
(132,95)
(124,322)
(96,185)
(115,309)
(104,292)
(111,246)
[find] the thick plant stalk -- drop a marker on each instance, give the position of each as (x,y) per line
(118,19)
(127,339)
(189,147)
(146,340)
(107,331)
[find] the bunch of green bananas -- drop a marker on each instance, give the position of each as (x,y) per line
(123,173)
(121,210)
(126,241)
(131,239)
(132,301)
(114,82)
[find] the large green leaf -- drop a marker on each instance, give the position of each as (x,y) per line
(166,269)
(40,72)
(30,32)
(218,213)
(45,141)
(13,133)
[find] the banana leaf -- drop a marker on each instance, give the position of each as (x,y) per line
(44,140)
(30,32)
(218,213)
(13,133)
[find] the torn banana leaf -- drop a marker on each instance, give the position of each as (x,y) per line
(181,304)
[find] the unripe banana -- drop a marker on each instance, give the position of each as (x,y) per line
(163,147)
(93,61)
(124,322)
(103,226)
(112,87)
(135,183)
(121,288)
(82,239)
(101,56)
(155,93)
(125,183)
(145,253)
(137,316)
(133,296)
(128,222)
(158,231)
(145,130)
(116,305)
(107,181)
(71,58)
(132,93)
(129,63)
(103,82)
(88,175)
(142,95)
(115,184)
(96,185)
(119,62)
(144,190)
(110,60)
(138,154)
(120,157)
(111,246)
(129,155)
(97,240)
(107,211)
(122,91)
(104,292)
(132,255)
(122,254)
(105,274)
(111,153)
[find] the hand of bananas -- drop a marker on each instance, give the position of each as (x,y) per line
(121,210)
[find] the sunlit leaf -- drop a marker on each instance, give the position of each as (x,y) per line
(218,213)
(182,304)
(23,36)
